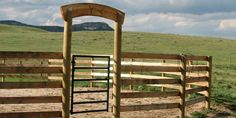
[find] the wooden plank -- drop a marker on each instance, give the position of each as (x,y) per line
(22,65)
(37,55)
(199,83)
(24,85)
(55,60)
(196,58)
(84,73)
(83,61)
(24,76)
(194,101)
(149,81)
(195,90)
(147,76)
(30,99)
(148,94)
(150,68)
(171,86)
(30,69)
(41,114)
(149,107)
(55,77)
(150,56)
(197,79)
(197,68)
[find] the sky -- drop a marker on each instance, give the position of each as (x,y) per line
(189,17)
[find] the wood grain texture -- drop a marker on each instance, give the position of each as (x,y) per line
(30,99)
(148,94)
(30,69)
(37,55)
(150,56)
(149,81)
(149,107)
(24,85)
(40,114)
(150,68)
(92,9)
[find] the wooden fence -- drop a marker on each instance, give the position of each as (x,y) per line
(182,74)
(29,65)
(177,75)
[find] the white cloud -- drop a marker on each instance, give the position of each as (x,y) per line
(193,17)
(226,24)
(184,24)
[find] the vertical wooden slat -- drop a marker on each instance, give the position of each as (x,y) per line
(91,71)
(131,72)
(66,64)
(2,74)
(208,93)
(117,68)
(163,89)
(183,86)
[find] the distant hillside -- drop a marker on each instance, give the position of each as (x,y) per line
(19,29)
(88,26)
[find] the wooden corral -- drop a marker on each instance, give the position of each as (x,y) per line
(179,75)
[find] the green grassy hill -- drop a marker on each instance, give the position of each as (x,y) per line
(223,51)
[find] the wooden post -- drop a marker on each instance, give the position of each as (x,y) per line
(208,93)
(48,64)
(91,72)
(189,86)
(117,68)
(130,73)
(183,86)
(66,65)
(21,64)
(163,89)
(2,74)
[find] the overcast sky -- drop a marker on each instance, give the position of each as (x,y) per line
(192,17)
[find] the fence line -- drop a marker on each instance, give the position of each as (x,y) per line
(29,65)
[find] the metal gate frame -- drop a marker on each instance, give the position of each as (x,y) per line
(74,67)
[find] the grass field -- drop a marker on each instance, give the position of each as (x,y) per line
(14,38)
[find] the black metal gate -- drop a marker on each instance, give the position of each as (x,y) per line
(74,68)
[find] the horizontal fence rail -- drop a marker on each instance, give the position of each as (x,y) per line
(45,114)
(30,55)
(149,107)
(34,69)
(148,94)
(185,69)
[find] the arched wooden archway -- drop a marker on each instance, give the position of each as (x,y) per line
(90,9)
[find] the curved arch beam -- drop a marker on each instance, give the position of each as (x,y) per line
(91,9)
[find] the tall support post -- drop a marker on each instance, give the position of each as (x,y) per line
(66,65)
(117,68)
(183,86)
(208,93)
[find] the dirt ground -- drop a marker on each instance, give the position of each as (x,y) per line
(170,113)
